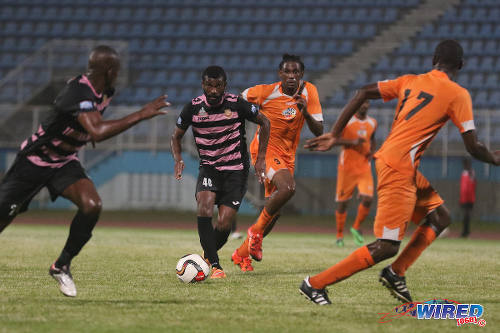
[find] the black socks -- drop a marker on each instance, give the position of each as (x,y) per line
(79,234)
(207,240)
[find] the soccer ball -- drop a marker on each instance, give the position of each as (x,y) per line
(192,268)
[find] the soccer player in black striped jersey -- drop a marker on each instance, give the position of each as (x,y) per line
(49,158)
(218,124)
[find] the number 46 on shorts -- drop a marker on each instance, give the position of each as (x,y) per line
(207,182)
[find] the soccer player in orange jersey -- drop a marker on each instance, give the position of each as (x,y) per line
(287,104)
(425,103)
(354,170)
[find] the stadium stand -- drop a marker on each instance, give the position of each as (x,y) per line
(171,41)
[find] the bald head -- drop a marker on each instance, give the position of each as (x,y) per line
(103,58)
(104,65)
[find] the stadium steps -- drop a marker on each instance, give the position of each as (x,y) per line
(409,25)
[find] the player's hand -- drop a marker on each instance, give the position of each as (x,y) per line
(178,168)
(301,103)
(154,108)
(323,142)
(356,142)
(260,170)
(496,155)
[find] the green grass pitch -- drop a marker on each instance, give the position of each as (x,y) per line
(126,283)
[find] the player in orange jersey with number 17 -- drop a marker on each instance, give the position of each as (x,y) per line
(287,104)
(426,102)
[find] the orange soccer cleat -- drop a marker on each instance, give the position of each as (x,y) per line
(245,263)
(218,273)
(255,244)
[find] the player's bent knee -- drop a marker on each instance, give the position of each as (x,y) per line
(289,191)
(91,206)
(382,249)
(439,219)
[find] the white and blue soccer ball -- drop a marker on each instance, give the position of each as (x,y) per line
(192,268)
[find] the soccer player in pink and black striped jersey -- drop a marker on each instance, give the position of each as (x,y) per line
(218,123)
(49,158)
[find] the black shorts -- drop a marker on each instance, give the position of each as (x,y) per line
(25,179)
(230,186)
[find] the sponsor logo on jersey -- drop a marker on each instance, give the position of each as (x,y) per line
(86,105)
(289,113)
(228,113)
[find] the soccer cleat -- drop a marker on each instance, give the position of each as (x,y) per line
(245,263)
(218,273)
(64,278)
(396,284)
(255,244)
(340,242)
(318,296)
(358,238)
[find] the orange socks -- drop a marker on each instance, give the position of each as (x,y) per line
(243,249)
(340,220)
(421,239)
(264,219)
(355,262)
(362,214)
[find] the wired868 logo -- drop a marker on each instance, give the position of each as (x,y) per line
(438,309)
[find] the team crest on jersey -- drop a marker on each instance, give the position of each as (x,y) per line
(202,112)
(228,113)
(289,113)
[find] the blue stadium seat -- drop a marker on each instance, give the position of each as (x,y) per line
(481,99)
(491,80)
(486,64)
(476,81)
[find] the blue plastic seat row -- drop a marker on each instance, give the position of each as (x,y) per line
(461,30)
(471,14)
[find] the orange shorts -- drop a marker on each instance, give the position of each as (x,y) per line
(274,163)
(401,199)
(347,182)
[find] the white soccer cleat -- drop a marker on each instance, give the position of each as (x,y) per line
(64,279)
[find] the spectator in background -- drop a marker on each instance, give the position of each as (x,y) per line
(467,194)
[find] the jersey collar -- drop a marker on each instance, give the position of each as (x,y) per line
(85,80)
(439,73)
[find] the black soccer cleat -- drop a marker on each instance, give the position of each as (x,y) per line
(396,284)
(318,296)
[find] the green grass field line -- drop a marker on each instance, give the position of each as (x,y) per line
(126,283)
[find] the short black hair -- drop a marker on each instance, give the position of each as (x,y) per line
(449,53)
(291,58)
(214,72)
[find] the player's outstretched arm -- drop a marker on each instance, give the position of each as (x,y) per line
(369,91)
(478,150)
(328,140)
(176,148)
(100,129)
(260,163)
